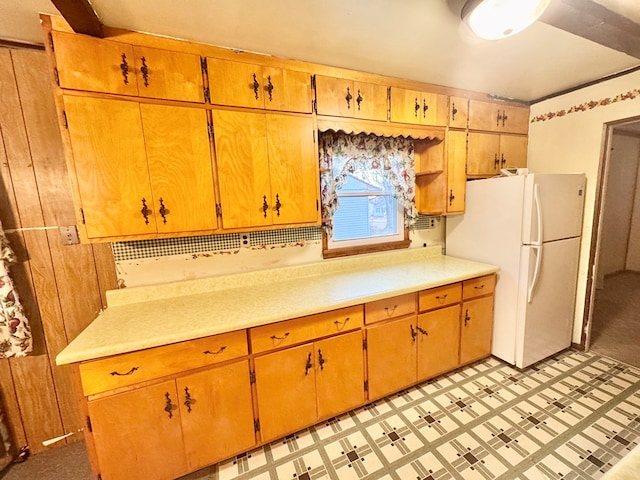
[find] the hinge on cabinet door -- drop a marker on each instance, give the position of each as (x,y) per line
(203,65)
(207,94)
(256,425)
(51,42)
(317,205)
(218,210)
(388,104)
(366,385)
(313,82)
(314,106)
(210,130)
(82,215)
(314,136)
(364,344)
(65,123)
(252,376)
(56,75)
(89,427)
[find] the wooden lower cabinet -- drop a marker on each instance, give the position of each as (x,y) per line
(391,356)
(476,329)
(194,420)
(438,341)
(298,386)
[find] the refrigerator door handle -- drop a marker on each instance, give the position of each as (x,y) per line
(536,271)
(536,199)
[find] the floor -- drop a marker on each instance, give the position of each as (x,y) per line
(572,416)
(616,318)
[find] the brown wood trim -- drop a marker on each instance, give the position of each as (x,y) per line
(15,44)
(385,129)
(81,16)
(379,247)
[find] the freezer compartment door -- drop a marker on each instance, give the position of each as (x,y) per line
(552,208)
(546,300)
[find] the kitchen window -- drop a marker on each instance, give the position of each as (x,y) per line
(368,192)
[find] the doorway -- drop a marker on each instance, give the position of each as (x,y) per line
(613,328)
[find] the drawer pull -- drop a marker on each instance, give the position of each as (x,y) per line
(391,310)
(340,325)
(321,359)
(441,299)
(130,372)
(217,352)
(168,407)
(274,337)
(414,334)
(422,331)
(479,287)
(466,317)
(308,365)
(187,399)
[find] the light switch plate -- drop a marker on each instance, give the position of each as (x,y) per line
(69,235)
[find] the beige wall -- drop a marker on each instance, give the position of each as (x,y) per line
(620,193)
(573,143)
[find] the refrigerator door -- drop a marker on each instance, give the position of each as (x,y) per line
(553,206)
(490,232)
(546,299)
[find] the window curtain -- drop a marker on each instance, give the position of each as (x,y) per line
(366,157)
(15,334)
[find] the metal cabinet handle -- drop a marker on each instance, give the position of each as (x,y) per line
(308,365)
(255,85)
(348,98)
(452,197)
(187,399)
(217,352)
(144,69)
(265,206)
(467,318)
(414,334)
(164,211)
(416,108)
(359,99)
(390,311)
(270,88)
(118,374)
(321,360)
(124,68)
(342,324)
(496,161)
(274,337)
(425,107)
(422,330)
(145,211)
(278,204)
(454,111)
(441,299)
(168,407)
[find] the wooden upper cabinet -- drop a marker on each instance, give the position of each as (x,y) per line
(168,75)
(248,85)
(513,151)
(458,112)
(267,168)
(456,171)
(490,152)
(347,98)
(94,65)
(421,108)
(495,117)
(110,166)
(179,158)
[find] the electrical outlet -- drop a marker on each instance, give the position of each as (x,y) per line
(69,235)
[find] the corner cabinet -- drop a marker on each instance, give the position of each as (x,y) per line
(135,174)
(267,168)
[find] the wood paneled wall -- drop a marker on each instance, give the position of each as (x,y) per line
(61,286)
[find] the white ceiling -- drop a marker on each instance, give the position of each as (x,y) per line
(414,39)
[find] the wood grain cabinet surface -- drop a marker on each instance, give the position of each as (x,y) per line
(496,117)
(353,99)
(267,168)
(257,86)
(421,108)
(488,153)
(140,169)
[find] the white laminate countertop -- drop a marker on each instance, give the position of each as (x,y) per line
(144,317)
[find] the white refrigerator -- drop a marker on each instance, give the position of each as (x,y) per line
(530,226)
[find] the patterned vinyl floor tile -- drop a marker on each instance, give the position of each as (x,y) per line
(570,417)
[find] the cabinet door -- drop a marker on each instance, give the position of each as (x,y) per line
(217,413)
(286,391)
(136,432)
(514,119)
(482,154)
(438,341)
(456,170)
(87,63)
(513,151)
(243,168)
(433,109)
(339,374)
(286,90)
(235,83)
(334,96)
(406,105)
(293,168)
(110,166)
(477,329)
(391,356)
(484,116)
(179,157)
(168,75)
(371,101)
(458,112)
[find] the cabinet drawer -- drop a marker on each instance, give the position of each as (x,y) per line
(476,287)
(135,367)
(390,308)
(298,330)
(439,297)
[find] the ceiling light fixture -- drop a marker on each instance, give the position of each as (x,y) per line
(496,19)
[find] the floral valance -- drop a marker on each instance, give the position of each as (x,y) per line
(368,158)
(15,334)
